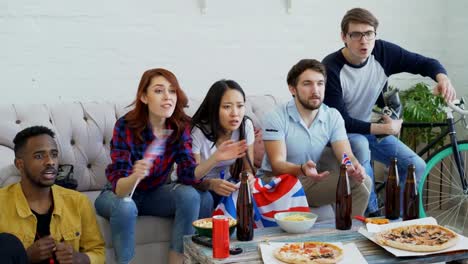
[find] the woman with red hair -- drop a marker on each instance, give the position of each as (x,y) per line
(158,107)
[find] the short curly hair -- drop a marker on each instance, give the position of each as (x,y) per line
(22,137)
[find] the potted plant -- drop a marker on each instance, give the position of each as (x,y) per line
(421,105)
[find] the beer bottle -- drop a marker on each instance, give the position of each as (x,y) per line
(392,192)
(244,210)
(343,201)
(411,196)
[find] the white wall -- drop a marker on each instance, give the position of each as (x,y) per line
(55,50)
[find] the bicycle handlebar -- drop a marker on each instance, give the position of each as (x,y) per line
(457,109)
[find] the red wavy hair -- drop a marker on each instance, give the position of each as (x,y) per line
(137,118)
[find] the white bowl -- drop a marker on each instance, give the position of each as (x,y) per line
(295,226)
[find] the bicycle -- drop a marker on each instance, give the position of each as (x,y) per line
(445,170)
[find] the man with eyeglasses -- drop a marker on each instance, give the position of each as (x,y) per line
(357,78)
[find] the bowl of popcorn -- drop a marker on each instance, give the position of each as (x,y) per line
(204,226)
(295,222)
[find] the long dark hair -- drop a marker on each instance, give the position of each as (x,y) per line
(206,118)
(138,117)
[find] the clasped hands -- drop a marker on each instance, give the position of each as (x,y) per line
(44,249)
(309,169)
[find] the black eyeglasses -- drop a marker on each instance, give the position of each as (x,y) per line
(368,35)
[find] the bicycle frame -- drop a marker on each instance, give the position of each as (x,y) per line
(453,141)
(431,144)
(456,152)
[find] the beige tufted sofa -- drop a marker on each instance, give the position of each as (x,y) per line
(83,132)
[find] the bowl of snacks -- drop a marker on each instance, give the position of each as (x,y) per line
(204,226)
(295,222)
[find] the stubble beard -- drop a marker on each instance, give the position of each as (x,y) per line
(307,105)
(36,181)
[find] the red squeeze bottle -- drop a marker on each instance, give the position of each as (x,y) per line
(220,236)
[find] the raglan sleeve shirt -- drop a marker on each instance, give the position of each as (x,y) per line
(392,58)
(334,95)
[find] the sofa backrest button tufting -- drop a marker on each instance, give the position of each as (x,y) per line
(72,142)
(18,121)
(89,166)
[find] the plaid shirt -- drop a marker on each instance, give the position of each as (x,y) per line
(125,151)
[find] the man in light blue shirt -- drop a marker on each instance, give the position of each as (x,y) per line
(297,133)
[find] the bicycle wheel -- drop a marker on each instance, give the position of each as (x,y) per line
(441,193)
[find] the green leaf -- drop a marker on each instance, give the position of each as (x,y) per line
(420,105)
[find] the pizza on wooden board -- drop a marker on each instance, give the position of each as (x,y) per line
(309,253)
(419,238)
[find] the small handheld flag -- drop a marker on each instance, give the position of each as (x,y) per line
(155,149)
(346,160)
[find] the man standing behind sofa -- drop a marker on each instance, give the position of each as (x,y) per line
(40,220)
(357,76)
(296,133)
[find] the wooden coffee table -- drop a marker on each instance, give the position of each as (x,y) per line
(324,231)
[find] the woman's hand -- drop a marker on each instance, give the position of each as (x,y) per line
(250,177)
(140,169)
(222,187)
(230,149)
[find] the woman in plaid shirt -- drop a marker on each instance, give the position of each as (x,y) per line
(158,106)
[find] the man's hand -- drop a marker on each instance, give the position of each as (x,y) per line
(444,87)
(357,172)
(42,249)
(222,187)
(393,126)
(230,149)
(310,170)
(66,255)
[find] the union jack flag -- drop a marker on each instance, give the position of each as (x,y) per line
(346,160)
(283,194)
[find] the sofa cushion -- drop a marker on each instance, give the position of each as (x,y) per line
(84,130)
(9,175)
